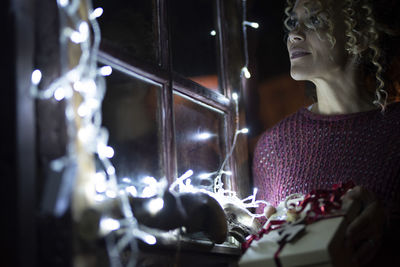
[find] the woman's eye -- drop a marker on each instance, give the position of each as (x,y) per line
(315,21)
(292,23)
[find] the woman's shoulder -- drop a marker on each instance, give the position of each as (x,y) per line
(290,123)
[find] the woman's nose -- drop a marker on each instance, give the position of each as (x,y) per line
(296,36)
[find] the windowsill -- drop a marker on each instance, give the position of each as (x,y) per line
(172,240)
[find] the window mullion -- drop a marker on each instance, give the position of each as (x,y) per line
(167,121)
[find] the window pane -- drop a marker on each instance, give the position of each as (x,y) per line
(199,132)
(130,27)
(194,47)
(131,114)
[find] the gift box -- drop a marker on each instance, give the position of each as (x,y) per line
(322,244)
(310,242)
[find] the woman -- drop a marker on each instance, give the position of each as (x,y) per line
(350,133)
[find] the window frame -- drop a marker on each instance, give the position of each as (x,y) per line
(162,73)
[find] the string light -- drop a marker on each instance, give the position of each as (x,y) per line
(36,77)
(245,71)
(244,131)
(63,3)
(87,81)
(149,239)
(105,70)
(105,151)
(155,205)
(203,136)
(96,13)
(131,190)
(254,25)
(235,96)
(149,180)
(108,225)
(111,194)
(59,93)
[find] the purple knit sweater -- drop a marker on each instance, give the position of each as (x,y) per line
(308,151)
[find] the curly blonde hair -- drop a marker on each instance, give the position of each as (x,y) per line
(362,36)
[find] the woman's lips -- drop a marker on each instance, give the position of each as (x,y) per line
(297,54)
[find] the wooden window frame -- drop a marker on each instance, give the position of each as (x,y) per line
(163,74)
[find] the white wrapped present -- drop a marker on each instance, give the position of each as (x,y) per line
(316,237)
(322,244)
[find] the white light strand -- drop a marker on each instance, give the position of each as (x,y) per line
(87,80)
(254,25)
(245,70)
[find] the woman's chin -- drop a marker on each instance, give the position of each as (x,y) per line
(299,75)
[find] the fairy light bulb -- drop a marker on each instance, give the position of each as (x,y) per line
(149,239)
(63,3)
(206,175)
(203,136)
(149,191)
(244,131)
(100,182)
(235,96)
(254,25)
(149,180)
(105,71)
(213,33)
(109,224)
(84,135)
(155,205)
(59,93)
(105,151)
(246,72)
(84,28)
(111,170)
(36,77)
(83,110)
(111,194)
(96,13)
(78,86)
(82,34)
(76,37)
(131,190)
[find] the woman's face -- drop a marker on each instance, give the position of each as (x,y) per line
(311,53)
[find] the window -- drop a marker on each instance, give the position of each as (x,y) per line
(168,104)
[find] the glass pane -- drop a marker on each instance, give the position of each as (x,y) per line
(199,137)
(130,26)
(194,47)
(131,114)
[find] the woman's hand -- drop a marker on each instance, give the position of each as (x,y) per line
(364,233)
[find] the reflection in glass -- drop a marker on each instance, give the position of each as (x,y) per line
(199,137)
(131,115)
(193,35)
(130,26)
